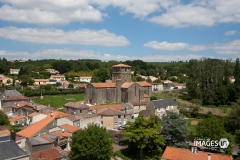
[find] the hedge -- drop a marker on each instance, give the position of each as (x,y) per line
(119,154)
(62,92)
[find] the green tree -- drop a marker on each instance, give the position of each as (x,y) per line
(174,129)
(71,86)
(144,133)
(213,129)
(93,142)
(149,80)
(236,74)
(101,75)
(3,119)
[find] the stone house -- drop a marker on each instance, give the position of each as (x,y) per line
(58,77)
(120,89)
(17,120)
(75,108)
(38,143)
(160,107)
(97,108)
(112,119)
(5,80)
(14,71)
(38,82)
(35,117)
(157,86)
(138,107)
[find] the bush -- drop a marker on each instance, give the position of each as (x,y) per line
(119,154)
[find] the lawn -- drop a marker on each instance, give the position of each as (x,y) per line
(59,100)
(192,125)
(166,94)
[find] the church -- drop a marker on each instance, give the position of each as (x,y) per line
(119,89)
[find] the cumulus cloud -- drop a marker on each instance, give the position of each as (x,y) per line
(68,54)
(44,12)
(56,36)
(221,48)
(174,13)
(230,33)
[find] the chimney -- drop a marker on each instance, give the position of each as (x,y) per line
(13,135)
(51,113)
(209,156)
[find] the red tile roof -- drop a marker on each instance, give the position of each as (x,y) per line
(69,128)
(121,65)
(61,134)
(113,106)
(47,138)
(139,103)
(6,131)
(36,127)
(110,112)
(78,105)
(172,153)
(127,84)
(104,85)
(16,118)
(48,154)
(144,84)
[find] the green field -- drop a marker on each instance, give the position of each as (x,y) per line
(192,128)
(59,100)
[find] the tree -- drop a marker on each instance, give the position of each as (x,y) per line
(213,129)
(236,74)
(174,129)
(93,142)
(149,80)
(232,122)
(3,119)
(144,133)
(101,75)
(71,86)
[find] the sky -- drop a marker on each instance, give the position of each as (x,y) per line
(149,30)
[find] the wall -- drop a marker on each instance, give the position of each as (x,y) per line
(108,122)
(71,110)
(61,121)
(38,117)
(31,149)
(85,121)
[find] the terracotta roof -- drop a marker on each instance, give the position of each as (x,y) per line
(16,118)
(23,104)
(73,118)
(45,136)
(139,103)
(36,127)
(61,134)
(121,65)
(178,84)
(41,80)
(69,128)
(144,84)
(6,131)
(127,84)
(110,112)
(104,85)
(76,105)
(146,96)
(61,114)
(48,154)
(172,153)
(57,76)
(112,106)
(7,109)
(33,114)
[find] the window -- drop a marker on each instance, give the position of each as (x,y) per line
(139,107)
(119,116)
(125,116)
(80,111)
(116,123)
(120,123)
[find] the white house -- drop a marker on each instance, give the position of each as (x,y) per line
(85,79)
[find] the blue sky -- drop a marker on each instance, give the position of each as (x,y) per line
(150,30)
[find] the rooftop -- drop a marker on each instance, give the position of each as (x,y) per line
(144,84)
(16,118)
(48,154)
(164,103)
(9,93)
(172,153)
(121,65)
(110,112)
(69,128)
(76,105)
(113,106)
(36,140)
(3,132)
(104,85)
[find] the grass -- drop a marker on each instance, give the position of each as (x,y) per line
(167,94)
(59,100)
(192,128)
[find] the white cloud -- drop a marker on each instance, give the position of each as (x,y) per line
(68,54)
(56,36)
(221,48)
(230,33)
(165,45)
(44,12)
(164,12)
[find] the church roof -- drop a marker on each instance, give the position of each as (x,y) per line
(127,84)
(144,84)
(104,85)
(121,65)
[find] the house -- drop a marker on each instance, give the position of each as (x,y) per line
(79,86)
(138,107)
(96,108)
(41,127)
(85,79)
(112,118)
(75,108)
(17,120)
(35,117)
(38,82)
(166,81)
(120,89)
(157,86)
(5,80)
(10,150)
(172,153)
(38,143)
(80,120)
(14,71)
(127,108)
(176,85)
(52,71)
(10,97)
(231,79)
(49,154)
(160,107)
(62,138)
(58,77)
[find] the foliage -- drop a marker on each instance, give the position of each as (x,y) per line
(232,122)
(101,75)
(149,80)
(119,154)
(237,136)
(3,119)
(139,79)
(144,133)
(153,98)
(174,129)
(91,143)
(70,85)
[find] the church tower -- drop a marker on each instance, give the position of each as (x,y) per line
(121,71)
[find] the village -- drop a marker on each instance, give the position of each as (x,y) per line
(45,132)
